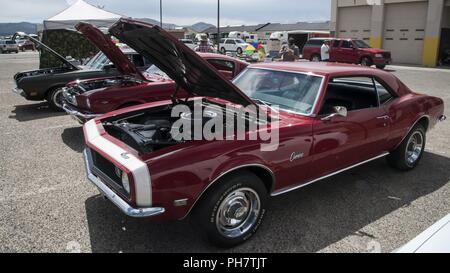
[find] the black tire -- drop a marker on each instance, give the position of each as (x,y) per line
(366,61)
(383,66)
(206,211)
(398,159)
(55,99)
(315,58)
(239,50)
(223,50)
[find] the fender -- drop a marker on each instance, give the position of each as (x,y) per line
(237,167)
(412,127)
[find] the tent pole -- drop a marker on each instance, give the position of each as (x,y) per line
(160,14)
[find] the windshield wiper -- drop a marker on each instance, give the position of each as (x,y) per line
(269,105)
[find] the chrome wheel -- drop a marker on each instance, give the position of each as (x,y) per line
(238,212)
(315,58)
(414,148)
(58,97)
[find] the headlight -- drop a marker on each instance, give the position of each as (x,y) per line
(378,55)
(124,177)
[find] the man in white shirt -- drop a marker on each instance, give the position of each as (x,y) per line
(325,51)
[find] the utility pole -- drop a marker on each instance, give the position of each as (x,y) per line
(218,26)
(160,13)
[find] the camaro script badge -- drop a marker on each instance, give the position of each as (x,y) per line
(296,156)
(125,155)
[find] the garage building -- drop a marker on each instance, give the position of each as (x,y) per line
(415,31)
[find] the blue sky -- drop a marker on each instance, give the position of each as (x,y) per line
(186,12)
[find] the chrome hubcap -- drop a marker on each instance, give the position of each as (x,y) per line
(238,212)
(414,148)
(58,97)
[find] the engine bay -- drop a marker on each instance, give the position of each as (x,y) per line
(150,130)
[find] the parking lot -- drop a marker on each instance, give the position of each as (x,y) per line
(47,204)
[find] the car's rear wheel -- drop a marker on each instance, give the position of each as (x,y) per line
(239,51)
(55,99)
(223,50)
(381,66)
(408,155)
(366,61)
(315,58)
(232,211)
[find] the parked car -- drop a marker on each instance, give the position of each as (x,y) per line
(189,43)
(331,118)
(8,46)
(91,98)
(25,45)
(435,239)
(47,84)
(237,45)
(347,51)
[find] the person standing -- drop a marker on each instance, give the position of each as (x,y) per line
(294,48)
(204,46)
(325,51)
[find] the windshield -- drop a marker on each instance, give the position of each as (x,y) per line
(156,71)
(98,61)
(289,91)
(361,44)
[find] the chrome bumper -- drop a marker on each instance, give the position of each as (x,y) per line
(77,115)
(19,91)
(114,198)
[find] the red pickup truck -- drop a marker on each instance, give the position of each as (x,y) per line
(347,51)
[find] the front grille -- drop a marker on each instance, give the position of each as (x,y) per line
(106,171)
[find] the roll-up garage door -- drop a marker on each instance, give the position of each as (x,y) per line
(354,22)
(404,31)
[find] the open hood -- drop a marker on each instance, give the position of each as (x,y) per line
(36,41)
(114,54)
(190,71)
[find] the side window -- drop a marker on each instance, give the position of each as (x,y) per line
(335,43)
(383,94)
(224,67)
(231,42)
(222,41)
(354,93)
(347,44)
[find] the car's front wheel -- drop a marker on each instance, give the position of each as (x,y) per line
(55,99)
(408,155)
(233,210)
(366,61)
(239,51)
(315,58)
(223,50)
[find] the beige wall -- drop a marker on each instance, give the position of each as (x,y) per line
(435,17)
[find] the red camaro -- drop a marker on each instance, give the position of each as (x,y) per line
(91,98)
(322,119)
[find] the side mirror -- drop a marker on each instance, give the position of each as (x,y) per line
(339,111)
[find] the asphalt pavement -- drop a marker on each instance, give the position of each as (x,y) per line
(47,204)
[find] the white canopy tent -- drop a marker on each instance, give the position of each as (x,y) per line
(81,11)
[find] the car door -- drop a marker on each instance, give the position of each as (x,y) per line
(349,52)
(334,51)
(340,142)
(230,45)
